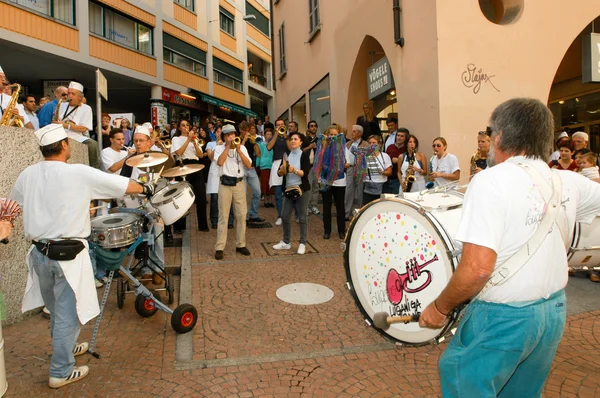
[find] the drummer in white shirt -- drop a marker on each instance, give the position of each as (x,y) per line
(55,198)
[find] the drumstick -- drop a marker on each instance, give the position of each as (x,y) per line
(158,175)
(98,207)
(383,320)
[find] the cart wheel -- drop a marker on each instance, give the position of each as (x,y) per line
(170,289)
(184,318)
(120,293)
(145,306)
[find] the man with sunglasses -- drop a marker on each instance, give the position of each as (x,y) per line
(46,113)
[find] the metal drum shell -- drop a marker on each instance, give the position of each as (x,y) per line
(110,236)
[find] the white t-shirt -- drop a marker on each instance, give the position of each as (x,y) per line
(377,164)
(55,198)
(81,116)
(190,151)
(33,119)
(233,166)
(555,155)
(109,156)
(390,140)
(502,209)
(448,164)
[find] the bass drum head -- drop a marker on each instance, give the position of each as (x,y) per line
(114,220)
(397,262)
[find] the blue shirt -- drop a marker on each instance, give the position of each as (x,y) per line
(45,114)
(294,160)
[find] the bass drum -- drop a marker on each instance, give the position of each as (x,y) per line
(585,249)
(399,257)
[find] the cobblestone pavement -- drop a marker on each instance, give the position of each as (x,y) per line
(249,343)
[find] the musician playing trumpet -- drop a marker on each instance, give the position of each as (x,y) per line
(413,163)
(113,158)
(479,158)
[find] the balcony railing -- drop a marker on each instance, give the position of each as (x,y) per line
(259,79)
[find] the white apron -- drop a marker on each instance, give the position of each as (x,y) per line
(274,179)
(212,185)
(80,276)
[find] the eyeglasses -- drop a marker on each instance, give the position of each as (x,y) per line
(64,95)
(312,125)
(437,145)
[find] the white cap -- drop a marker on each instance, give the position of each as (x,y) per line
(50,134)
(228,128)
(581,134)
(142,130)
(1,71)
(76,86)
(148,125)
(563,135)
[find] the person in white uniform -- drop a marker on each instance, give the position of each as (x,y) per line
(113,158)
(5,98)
(55,198)
(509,334)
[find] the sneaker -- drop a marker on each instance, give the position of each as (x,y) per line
(80,349)
(46,313)
(301,248)
(256,219)
(282,246)
(98,284)
(78,373)
(278,222)
(105,280)
(315,211)
(308,212)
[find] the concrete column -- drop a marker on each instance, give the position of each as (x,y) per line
(82,21)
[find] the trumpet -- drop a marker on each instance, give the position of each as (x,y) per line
(282,131)
(236,141)
(164,142)
(199,141)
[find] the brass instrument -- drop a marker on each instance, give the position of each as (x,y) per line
(410,173)
(164,142)
(8,119)
(199,141)
(56,115)
(236,141)
(252,139)
(476,156)
(282,131)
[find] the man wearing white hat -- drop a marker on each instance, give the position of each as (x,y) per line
(561,137)
(55,197)
(5,101)
(76,117)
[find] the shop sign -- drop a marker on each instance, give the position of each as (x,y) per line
(591,58)
(176,98)
(48,86)
(158,114)
(228,105)
(379,78)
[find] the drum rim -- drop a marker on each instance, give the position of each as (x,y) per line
(168,187)
(106,216)
(453,316)
(454,193)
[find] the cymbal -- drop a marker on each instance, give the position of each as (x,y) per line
(147,159)
(182,170)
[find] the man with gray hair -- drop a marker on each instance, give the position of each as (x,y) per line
(46,113)
(580,140)
(513,264)
(354,189)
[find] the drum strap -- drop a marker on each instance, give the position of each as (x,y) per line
(555,214)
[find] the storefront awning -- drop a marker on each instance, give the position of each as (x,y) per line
(209,99)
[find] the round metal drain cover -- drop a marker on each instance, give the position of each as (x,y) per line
(304,293)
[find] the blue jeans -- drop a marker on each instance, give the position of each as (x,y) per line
(278,197)
(391,186)
(251,178)
(501,350)
(99,272)
(60,301)
(301,208)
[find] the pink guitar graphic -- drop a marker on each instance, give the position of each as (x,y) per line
(397,283)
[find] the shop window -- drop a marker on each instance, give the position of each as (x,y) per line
(313,16)
(228,75)
(501,12)
(189,4)
(227,21)
(299,112)
(261,22)
(116,27)
(183,55)
(320,110)
(282,66)
(63,10)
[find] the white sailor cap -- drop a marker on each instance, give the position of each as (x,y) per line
(1,71)
(228,128)
(148,125)
(76,86)
(50,134)
(563,135)
(142,130)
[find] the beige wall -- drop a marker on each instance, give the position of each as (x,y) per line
(442,38)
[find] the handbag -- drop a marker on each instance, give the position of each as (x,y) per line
(229,181)
(373,188)
(293,193)
(60,250)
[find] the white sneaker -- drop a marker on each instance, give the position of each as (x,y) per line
(282,246)
(315,210)
(98,284)
(80,349)
(301,248)
(79,372)
(278,222)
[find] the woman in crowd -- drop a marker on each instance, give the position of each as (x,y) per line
(127,133)
(444,165)
(369,122)
(379,167)
(295,177)
(565,160)
(479,158)
(418,167)
(185,146)
(264,163)
(212,186)
(563,137)
(202,135)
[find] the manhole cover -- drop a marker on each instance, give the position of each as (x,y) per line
(304,293)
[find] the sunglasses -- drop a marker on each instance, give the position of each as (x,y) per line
(488,131)
(436,145)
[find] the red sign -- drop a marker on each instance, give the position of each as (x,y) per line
(177,98)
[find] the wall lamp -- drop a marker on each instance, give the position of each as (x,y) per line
(398,39)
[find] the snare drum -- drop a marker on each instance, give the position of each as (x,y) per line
(173,201)
(585,248)
(133,201)
(399,257)
(116,230)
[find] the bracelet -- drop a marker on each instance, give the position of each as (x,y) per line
(437,309)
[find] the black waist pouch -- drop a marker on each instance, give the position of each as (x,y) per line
(60,250)
(229,181)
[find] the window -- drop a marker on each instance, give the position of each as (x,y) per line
(227,21)
(261,22)
(228,75)
(184,55)
(121,29)
(189,4)
(63,10)
(282,67)
(320,110)
(299,112)
(259,70)
(313,15)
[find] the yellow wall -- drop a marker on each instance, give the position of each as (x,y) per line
(258,36)
(184,16)
(257,51)
(35,26)
(184,78)
(228,58)
(228,42)
(115,54)
(132,10)
(227,94)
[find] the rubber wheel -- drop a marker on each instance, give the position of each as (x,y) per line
(120,293)
(144,306)
(184,318)
(170,289)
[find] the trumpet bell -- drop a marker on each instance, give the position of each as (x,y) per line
(282,131)
(166,143)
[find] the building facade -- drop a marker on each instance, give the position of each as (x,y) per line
(439,66)
(163,59)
